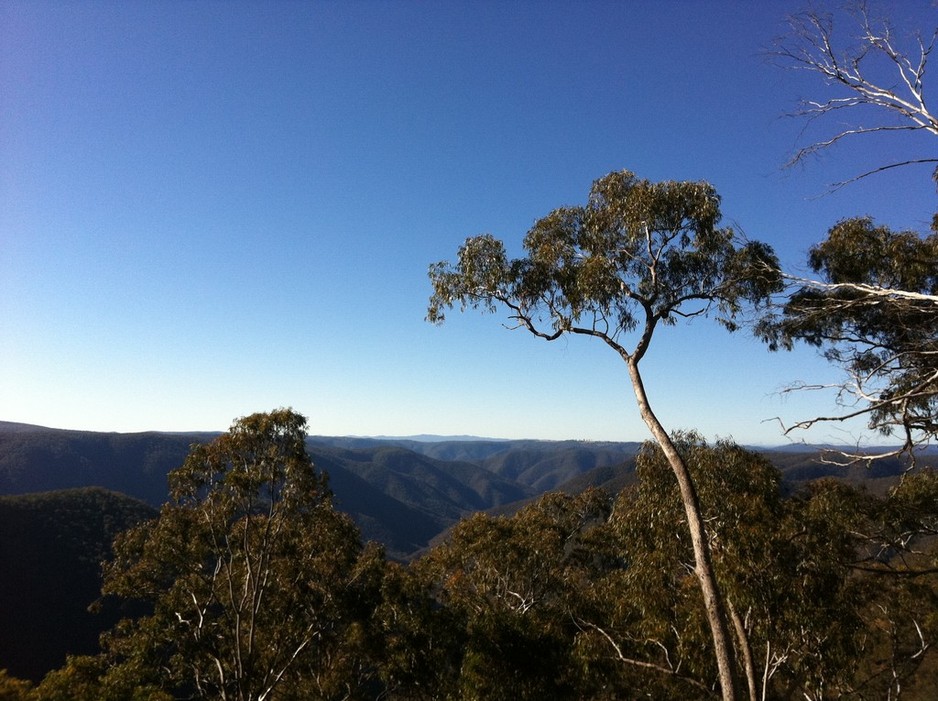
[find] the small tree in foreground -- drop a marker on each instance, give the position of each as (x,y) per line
(636,256)
(508,587)
(259,588)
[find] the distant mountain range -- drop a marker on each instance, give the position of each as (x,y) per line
(428,438)
(64,494)
(402,492)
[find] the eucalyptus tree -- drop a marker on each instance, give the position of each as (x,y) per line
(831,591)
(636,256)
(872,308)
(873,311)
(257,587)
(504,590)
(788,589)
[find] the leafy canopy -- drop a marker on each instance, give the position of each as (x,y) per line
(636,253)
(874,312)
(259,588)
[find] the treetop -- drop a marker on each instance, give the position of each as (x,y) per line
(638,252)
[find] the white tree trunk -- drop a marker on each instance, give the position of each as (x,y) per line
(703,566)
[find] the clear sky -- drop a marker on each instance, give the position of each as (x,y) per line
(209,209)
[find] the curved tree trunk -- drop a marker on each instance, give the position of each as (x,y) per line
(703,566)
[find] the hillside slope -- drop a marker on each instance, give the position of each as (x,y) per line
(51,547)
(401,492)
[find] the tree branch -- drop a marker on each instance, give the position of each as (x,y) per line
(670,671)
(812,48)
(876,293)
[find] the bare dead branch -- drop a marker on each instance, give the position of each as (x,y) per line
(812,46)
(881,169)
(874,292)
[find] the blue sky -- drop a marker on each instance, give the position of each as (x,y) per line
(214,208)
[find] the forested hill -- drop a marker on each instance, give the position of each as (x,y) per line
(51,548)
(37,459)
(65,494)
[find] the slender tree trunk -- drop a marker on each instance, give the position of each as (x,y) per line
(703,566)
(745,650)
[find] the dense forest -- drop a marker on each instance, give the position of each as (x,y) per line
(52,545)
(578,591)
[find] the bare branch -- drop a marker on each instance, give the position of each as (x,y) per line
(668,670)
(875,171)
(875,293)
(811,46)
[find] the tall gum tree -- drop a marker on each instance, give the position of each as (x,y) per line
(636,256)
(255,581)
